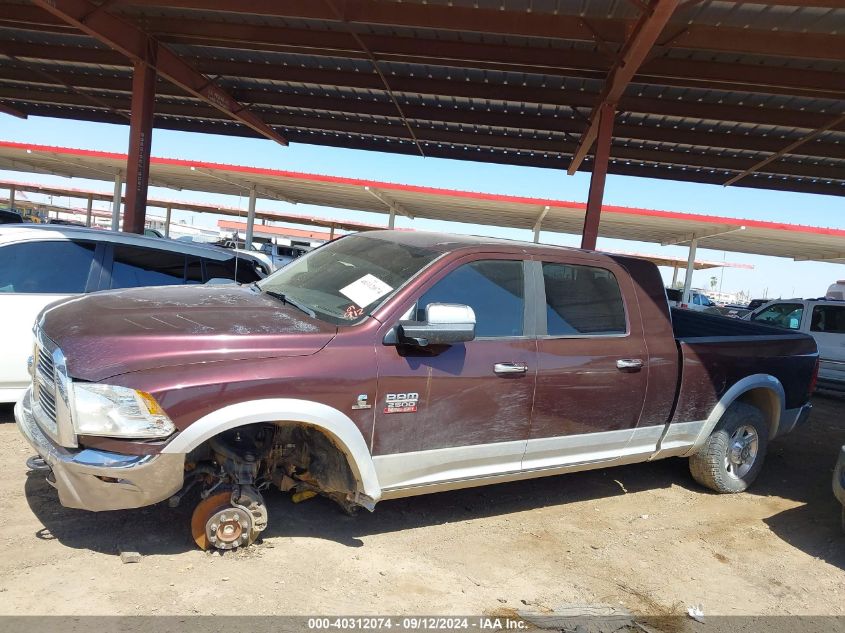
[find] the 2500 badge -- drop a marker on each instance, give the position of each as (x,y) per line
(401,402)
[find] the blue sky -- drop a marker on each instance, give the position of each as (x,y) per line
(777,277)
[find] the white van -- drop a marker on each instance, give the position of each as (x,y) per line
(836,291)
(824,320)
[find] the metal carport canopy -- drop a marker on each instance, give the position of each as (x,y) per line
(645,225)
(748,93)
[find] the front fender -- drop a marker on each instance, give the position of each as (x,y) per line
(334,423)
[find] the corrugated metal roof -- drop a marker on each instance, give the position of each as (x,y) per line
(729,85)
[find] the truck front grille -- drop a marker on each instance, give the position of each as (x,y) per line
(51,391)
(44,384)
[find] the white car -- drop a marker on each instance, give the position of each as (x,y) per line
(824,320)
(40,264)
(698,301)
(282,255)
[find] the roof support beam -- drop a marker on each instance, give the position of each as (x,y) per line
(576,63)
(634,52)
(89,209)
(700,235)
(377,68)
(823,258)
(246,186)
(134,43)
(389,202)
(686,296)
(250,219)
(539,223)
(755,78)
(140,143)
(5,109)
(592,217)
(115,205)
(262,100)
(789,149)
(537,24)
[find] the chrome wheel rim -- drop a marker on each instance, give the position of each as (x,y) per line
(742,451)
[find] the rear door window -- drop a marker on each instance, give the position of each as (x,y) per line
(582,300)
(828,319)
(50,267)
(494,289)
(786,315)
(135,266)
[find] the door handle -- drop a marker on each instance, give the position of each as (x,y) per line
(629,364)
(510,368)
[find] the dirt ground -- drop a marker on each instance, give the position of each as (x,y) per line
(645,536)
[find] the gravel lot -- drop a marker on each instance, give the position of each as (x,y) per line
(645,536)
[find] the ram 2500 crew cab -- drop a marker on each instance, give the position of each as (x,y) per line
(390,364)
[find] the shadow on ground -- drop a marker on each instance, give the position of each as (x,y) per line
(163,530)
(799,467)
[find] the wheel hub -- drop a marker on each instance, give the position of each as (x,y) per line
(742,451)
(228,528)
(216,523)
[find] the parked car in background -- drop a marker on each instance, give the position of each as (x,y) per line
(282,255)
(824,320)
(388,364)
(674,297)
(61,222)
(10,217)
(239,247)
(42,263)
(732,311)
(836,291)
(756,303)
(698,302)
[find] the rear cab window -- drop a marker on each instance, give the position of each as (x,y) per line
(47,267)
(582,300)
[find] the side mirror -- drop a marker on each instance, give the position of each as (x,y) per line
(445,324)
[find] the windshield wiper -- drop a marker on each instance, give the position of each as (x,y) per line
(288,300)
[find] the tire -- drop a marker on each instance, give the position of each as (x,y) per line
(732,457)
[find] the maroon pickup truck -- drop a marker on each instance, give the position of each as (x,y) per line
(390,364)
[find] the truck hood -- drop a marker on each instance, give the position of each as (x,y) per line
(116,332)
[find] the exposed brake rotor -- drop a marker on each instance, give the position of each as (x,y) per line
(216,523)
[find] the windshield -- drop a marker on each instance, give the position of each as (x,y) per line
(786,315)
(345,280)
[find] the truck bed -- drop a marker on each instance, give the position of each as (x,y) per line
(715,352)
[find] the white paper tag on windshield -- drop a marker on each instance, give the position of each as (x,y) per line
(365,290)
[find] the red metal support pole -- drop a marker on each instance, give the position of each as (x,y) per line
(140,141)
(606,114)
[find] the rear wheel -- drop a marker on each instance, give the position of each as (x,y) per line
(731,458)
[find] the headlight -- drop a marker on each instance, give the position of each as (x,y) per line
(118,412)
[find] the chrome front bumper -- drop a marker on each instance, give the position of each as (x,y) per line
(96,480)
